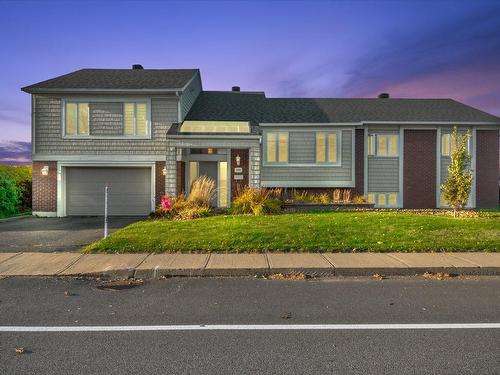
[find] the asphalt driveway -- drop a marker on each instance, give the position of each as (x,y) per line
(55,234)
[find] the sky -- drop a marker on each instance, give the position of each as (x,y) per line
(421,49)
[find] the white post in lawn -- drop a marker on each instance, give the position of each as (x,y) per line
(106,189)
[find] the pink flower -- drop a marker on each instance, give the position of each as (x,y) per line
(166,202)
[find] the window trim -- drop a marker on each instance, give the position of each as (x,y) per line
(375,136)
(266,163)
(103,99)
(277,146)
(338,147)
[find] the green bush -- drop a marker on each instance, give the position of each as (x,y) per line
(256,202)
(10,197)
(21,176)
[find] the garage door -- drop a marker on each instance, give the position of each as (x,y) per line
(129,193)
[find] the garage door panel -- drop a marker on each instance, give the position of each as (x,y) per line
(129,193)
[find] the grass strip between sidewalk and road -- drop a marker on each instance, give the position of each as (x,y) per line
(307,232)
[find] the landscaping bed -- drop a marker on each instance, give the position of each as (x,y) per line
(376,231)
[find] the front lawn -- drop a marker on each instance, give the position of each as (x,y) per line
(308,232)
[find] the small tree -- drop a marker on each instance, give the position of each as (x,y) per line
(456,190)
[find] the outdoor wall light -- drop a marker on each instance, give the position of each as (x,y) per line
(238,160)
(210,151)
(45,170)
(164,171)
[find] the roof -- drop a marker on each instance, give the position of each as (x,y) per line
(228,106)
(256,108)
(116,79)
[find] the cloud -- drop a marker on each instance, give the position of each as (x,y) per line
(15,153)
(459,59)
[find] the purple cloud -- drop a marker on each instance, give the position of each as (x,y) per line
(15,153)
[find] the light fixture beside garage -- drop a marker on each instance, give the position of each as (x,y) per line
(45,170)
(164,171)
(238,160)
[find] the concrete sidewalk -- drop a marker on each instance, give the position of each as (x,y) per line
(311,264)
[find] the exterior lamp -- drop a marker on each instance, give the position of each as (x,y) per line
(164,171)
(238,160)
(45,170)
(210,151)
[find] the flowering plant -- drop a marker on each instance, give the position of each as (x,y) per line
(166,202)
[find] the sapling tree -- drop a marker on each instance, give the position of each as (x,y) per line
(457,188)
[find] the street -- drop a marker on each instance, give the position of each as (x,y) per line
(66,302)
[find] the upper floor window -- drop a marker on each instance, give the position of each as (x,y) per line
(77,118)
(449,145)
(135,119)
(277,147)
(383,145)
(326,147)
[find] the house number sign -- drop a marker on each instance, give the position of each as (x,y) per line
(238,177)
(238,170)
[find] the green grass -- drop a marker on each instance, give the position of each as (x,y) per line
(308,232)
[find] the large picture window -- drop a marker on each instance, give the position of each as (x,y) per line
(77,119)
(135,119)
(383,145)
(326,147)
(277,147)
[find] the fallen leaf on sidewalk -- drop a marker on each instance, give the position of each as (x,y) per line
(378,276)
(287,315)
(67,293)
(437,275)
(20,350)
(280,276)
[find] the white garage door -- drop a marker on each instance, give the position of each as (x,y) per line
(129,193)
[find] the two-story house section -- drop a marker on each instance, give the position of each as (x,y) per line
(147,132)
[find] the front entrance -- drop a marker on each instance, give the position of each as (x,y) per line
(217,171)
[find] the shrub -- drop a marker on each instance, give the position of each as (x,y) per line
(322,198)
(10,197)
(202,192)
(457,188)
(256,202)
(359,199)
(301,197)
(193,212)
(21,175)
(346,193)
(336,195)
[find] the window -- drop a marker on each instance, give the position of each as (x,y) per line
(326,147)
(383,145)
(277,147)
(448,144)
(193,172)
(215,127)
(383,200)
(135,119)
(77,119)
(223,199)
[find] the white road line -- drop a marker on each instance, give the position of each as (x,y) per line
(251,327)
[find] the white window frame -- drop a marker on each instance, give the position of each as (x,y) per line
(338,147)
(104,99)
(277,146)
(77,134)
(374,138)
(449,142)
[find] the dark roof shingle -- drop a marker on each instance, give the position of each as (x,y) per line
(117,79)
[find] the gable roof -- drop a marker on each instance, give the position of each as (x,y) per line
(116,80)
(256,108)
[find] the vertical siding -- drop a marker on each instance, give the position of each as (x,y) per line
(106,118)
(189,96)
(49,140)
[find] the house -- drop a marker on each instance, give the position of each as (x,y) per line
(148,132)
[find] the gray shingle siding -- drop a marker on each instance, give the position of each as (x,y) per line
(314,175)
(189,96)
(49,140)
(106,119)
(302,147)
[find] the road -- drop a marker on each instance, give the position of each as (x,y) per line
(79,303)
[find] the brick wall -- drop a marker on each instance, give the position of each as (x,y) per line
(419,169)
(159,181)
(180,177)
(487,168)
(236,185)
(359,162)
(44,187)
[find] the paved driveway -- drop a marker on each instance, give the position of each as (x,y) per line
(55,234)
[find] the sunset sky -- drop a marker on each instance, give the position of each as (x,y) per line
(428,49)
